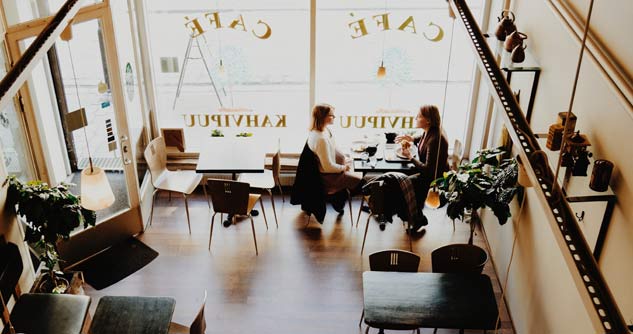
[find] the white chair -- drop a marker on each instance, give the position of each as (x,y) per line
(183,182)
(456,158)
(266,181)
(198,325)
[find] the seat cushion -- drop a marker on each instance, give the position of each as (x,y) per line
(263,180)
(44,313)
(179,181)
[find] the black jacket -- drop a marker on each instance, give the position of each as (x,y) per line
(308,189)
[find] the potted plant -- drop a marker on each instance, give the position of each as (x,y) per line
(50,215)
(484,182)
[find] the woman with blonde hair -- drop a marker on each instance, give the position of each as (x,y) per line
(334,167)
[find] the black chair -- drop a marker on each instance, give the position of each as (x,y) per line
(232,198)
(376,201)
(392,260)
(308,189)
(459,258)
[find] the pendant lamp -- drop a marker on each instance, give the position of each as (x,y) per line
(433,197)
(382,70)
(568,129)
(96,193)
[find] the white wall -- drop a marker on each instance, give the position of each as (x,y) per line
(541,295)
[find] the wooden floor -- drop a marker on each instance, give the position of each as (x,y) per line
(305,280)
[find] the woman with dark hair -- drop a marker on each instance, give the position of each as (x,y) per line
(335,170)
(432,149)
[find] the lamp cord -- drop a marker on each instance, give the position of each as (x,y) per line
(514,242)
(83,121)
(448,69)
(573,91)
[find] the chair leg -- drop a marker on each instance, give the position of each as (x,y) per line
(435,331)
(272,200)
(254,237)
(367,330)
(417,330)
(362,201)
(211,230)
(410,242)
(349,201)
(151,214)
(261,204)
(283,200)
(362,315)
(365,236)
(204,189)
(187,211)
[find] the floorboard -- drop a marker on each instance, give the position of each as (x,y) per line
(305,279)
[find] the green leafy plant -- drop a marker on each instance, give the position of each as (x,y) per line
(484,182)
(217,133)
(244,134)
(50,215)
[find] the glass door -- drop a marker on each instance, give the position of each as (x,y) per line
(75,97)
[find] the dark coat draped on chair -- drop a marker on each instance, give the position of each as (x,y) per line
(308,189)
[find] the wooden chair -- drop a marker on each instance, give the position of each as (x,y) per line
(266,181)
(198,326)
(376,207)
(183,182)
(392,260)
(458,155)
(232,198)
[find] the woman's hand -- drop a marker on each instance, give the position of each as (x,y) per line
(404,137)
(347,167)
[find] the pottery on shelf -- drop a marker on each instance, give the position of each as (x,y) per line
(506,25)
(514,39)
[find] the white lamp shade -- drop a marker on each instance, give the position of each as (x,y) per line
(96,193)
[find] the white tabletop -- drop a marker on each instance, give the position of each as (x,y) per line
(232,155)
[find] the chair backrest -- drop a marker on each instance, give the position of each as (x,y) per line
(458,258)
(199,324)
(156,157)
(229,196)
(377,197)
(456,158)
(276,165)
(394,260)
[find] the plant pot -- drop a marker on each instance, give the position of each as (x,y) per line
(46,284)
(459,258)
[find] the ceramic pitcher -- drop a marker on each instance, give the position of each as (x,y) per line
(514,39)
(506,25)
(518,53)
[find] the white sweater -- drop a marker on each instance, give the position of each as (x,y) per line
(323,145)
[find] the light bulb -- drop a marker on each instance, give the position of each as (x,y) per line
(382,71)
(433,199)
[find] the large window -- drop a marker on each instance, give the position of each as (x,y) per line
(412,41)
(257,57)
(256,77)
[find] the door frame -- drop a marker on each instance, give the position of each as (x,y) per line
(125,223)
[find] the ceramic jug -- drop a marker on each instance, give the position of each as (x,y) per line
(506,25)
(514,39)
(518,53)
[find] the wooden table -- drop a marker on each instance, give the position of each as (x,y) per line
(133,315)
(232,155)
(401,301)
